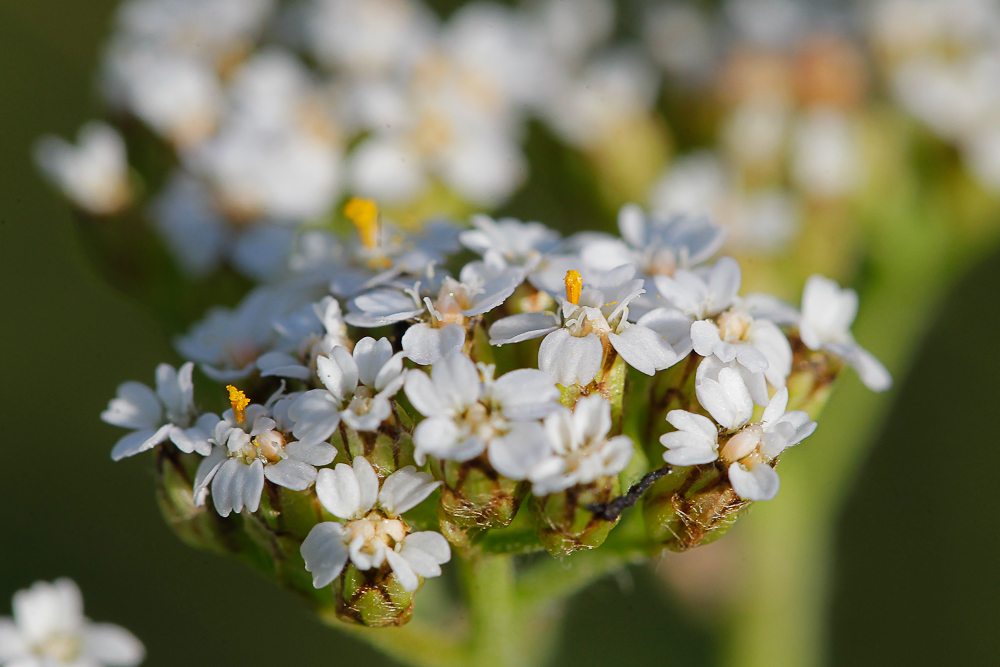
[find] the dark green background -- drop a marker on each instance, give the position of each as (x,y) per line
(918,561)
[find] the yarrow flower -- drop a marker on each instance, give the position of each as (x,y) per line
(252,446)
(579,450)
(357,390)
(94,173)
(155,417)
(374,535)
(441,306)
(592,318)
(747,448)
(48,629)
(468,412)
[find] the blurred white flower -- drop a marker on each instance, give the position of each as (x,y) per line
(93,174)
(48,629)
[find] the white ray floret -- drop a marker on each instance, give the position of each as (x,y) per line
(468,412)
(580,451)
(374,534)
(155,417)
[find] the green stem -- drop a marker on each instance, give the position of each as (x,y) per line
(416,644)
(555,580)
(489,590)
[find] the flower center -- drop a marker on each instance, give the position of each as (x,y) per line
(239,401)
(733,325)
(62,647)
(362,401)
(270,445)
(376,532)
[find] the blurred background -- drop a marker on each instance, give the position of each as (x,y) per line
(914,542)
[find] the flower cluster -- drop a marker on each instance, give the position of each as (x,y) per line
(269,111)
(363,430)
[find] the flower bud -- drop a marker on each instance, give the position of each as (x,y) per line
(813,375)
(691,506)
(474,498)
(373,598)
(564,523)
(388,449)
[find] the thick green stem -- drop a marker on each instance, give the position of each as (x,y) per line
(553,581)
(489,590)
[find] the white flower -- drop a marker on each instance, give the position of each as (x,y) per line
(48,629)
(311,331)
(655,245)
(249,449)
(704,292)
(827,314)
(580,450)
(442,305)
(155,417)
(590,319)
(357,391)
(193,230)
(756,344)
(374,534)
(747,449)
(177,95)
(516,243)
(94,173)
(467,412)
(228,341)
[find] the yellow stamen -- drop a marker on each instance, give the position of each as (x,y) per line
(239,401)
(574,285)
(363,214)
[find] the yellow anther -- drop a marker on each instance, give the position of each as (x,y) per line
(574,285)
(363,214)
(239,401)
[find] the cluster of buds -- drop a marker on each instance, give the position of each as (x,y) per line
(334,446)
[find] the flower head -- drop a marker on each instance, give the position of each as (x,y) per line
(374,535)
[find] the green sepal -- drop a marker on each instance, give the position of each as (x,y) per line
(373,598)
(563,522)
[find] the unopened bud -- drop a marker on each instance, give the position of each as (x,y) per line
(374,598)
(565,524)
(474,498)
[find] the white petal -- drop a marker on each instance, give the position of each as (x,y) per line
(424,396)
(773,344)
(426,551)
(685,448)
(315,415)
(759,482)
(871,371)
(253,485)
(324,552)
(426,345)
(280,364)
(776,408)
(404,573)
(112,645)
(644,349)
(749,357)
(525,393)
(338,373)
(391,374)
(591,418)
(456,379)
(135,406)
(570,359)
(705,338)
(436,436)
(367,482)
(693,423)
(316,454)
(226,492)
(369,356)
(139,441)
(291,474)
(673,325)
(632,225)
(175,388)
(514,454)
(12,646)
(727,400)
(207,470)
(517,328)
(405,489)
(380,307)
(48,608)
(378,411)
